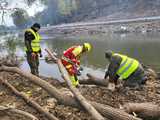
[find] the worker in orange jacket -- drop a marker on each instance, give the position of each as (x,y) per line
(71,61)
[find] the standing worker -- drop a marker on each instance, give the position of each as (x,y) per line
(124,68)
(71,61)
(32,47)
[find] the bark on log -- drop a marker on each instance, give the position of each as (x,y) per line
(14,110)
(144,110)
(105,110)
(89,108)
(27,100)
(92,80)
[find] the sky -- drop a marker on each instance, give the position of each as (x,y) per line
(31,10)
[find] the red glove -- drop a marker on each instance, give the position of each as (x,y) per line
(33,55)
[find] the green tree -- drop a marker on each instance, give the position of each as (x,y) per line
(20,18)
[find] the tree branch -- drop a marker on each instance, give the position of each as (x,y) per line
(14,110)
(107,111)
(27,100)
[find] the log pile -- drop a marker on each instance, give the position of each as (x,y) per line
(102,101)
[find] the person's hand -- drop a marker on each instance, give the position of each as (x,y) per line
(40,55)
(81,68)
(78,73)
(33,54)
(111,86)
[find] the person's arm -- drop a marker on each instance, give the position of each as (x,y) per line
(74,59)
(40,52)
(28,39)
(106,74)
(113,67)
(76,53)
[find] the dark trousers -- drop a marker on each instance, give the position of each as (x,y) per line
(33,63)
(137,78)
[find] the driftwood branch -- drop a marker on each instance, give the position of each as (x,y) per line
(77,94)
(27,100)
(144,110)
(14,110)
(107,111)
(93,80)
(88,107)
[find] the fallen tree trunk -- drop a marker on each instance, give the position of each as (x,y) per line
(92,80)
(14,110)
(107,111)
(27,100)
(90,109)
(144,110)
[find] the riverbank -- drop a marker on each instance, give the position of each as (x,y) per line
(101,29)
(149,93)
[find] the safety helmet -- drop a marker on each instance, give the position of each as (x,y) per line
(87,46)
(109,53)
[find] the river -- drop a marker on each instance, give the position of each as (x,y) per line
(142,46)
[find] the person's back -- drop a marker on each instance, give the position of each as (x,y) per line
(125,68)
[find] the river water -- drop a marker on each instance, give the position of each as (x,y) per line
(142,46)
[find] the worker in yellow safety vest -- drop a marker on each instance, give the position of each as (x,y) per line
(32,47)
(124,68)
(71,61)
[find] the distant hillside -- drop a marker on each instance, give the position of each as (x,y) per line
(66,11)
(116,9)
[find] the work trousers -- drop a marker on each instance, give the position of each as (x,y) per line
(72,75)
(33,63)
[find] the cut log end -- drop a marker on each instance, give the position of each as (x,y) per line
(143,110)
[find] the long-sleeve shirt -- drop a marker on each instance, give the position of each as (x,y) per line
(115,62)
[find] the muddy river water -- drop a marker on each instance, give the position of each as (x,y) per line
(144,47)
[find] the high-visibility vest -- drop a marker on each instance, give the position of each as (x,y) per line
(75,50)
(72,54)
(127,67)
(35,44)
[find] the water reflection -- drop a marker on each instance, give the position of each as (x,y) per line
(144,47)
(9,44)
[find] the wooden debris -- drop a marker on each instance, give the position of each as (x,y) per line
(105,110)
(27,100)
(14,110)
(143,110)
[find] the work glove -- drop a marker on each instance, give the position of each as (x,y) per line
(33,55)
(111,87)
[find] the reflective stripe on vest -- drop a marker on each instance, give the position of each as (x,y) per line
(127,66)
(35,44)
(68,66)
(68,60)
(77,50)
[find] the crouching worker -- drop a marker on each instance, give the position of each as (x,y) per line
(71,61)
(124,68)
